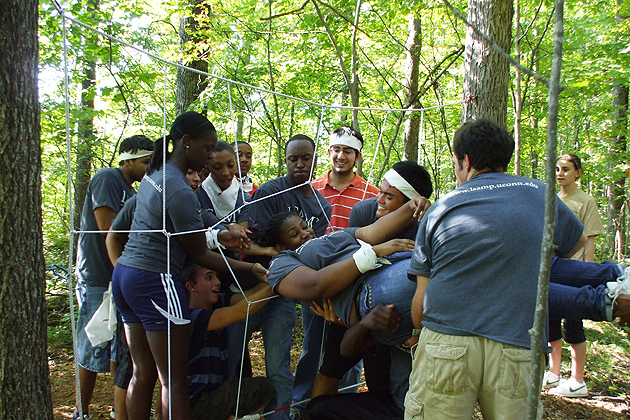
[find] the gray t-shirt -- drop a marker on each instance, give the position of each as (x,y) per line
(314,209)
(317,254)
(480,247)
(147,251)
(108,188)
(364,213)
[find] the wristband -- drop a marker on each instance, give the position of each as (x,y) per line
(365,258)
(212,239)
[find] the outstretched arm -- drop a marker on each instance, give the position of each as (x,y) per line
(391,224)
(228,315)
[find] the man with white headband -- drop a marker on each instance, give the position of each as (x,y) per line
(341,186)
(106,195)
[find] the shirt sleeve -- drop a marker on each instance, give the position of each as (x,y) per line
(359,215)
(261,211)
(123,219)
(421,264)
(281,266)
(106,191)
(592,220)
(184,211)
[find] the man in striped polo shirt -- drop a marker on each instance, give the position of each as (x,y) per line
(341,186)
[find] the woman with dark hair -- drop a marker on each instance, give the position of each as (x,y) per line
(345,267)
(145,283)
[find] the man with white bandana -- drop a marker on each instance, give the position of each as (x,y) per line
(341,186)
(106,195)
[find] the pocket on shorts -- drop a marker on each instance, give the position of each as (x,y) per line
(447,368)
(414,409)
(514,375)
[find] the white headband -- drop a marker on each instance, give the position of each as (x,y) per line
(344,139)
(131,156)
(397,181)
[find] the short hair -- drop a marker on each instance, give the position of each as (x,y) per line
(299,137)
(223,145)
(239,142)
(134,143)
(487,144)
(351,132)
(574,159)
(189,273)
(416,175)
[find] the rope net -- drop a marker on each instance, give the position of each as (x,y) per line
(253,102)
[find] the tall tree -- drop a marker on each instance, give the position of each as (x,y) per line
(487,74)
(24,379)
(412,125)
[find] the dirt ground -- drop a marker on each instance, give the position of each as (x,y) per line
(602,403)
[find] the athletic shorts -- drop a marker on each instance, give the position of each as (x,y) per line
(95,359)
(150,298)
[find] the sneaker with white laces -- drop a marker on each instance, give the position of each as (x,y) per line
(77,416)
(550,380)
(621,286)
(570,388)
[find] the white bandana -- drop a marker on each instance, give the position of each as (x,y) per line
(397,181)
(344,139)
(224,202)
(131,156)
(247,184)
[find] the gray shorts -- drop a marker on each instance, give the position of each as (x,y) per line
(95,359)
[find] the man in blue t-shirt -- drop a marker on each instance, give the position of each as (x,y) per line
(290,193)
(476,264)
(106,195)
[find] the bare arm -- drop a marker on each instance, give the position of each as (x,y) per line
(304,283)
(417,305)
(589,249)
(357,339)
(579,245)
(391,224)
(104,216)
(195,245)
(223,317)
(115,243)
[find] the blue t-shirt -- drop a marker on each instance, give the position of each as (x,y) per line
(147,250)
(314,209)
(317,254)
(480,247)
(208,352)
(108,188)
(364,213)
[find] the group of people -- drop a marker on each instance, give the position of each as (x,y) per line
(432,302)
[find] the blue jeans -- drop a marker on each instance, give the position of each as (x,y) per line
(577,290)
(94,359)
(276,320)
(390,285)
(308,366)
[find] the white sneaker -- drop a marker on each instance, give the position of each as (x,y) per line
(550,380)
(621,286)
(570,388)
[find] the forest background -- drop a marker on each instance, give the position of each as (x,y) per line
(377,54)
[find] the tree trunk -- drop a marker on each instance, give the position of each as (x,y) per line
(84,150)
(615,232)
(486,74)
(412,125)
(518,100)
(189,84)
(24,378)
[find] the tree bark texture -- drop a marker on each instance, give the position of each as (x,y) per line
(486,74)
(189,84)
(616,193)
(24,378)
(412,125)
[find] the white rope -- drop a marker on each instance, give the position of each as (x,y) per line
(378,145)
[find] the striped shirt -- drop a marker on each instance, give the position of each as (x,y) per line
(343,201)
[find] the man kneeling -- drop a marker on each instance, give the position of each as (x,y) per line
(212,395)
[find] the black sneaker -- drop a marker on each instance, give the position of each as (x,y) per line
(77,416)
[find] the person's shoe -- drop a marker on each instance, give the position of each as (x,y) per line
(621,309)
(621,286)
(298,413)
(77,416)
(570,388)
(550,380)
(112,414)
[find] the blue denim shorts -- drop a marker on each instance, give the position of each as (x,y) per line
(95,359)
